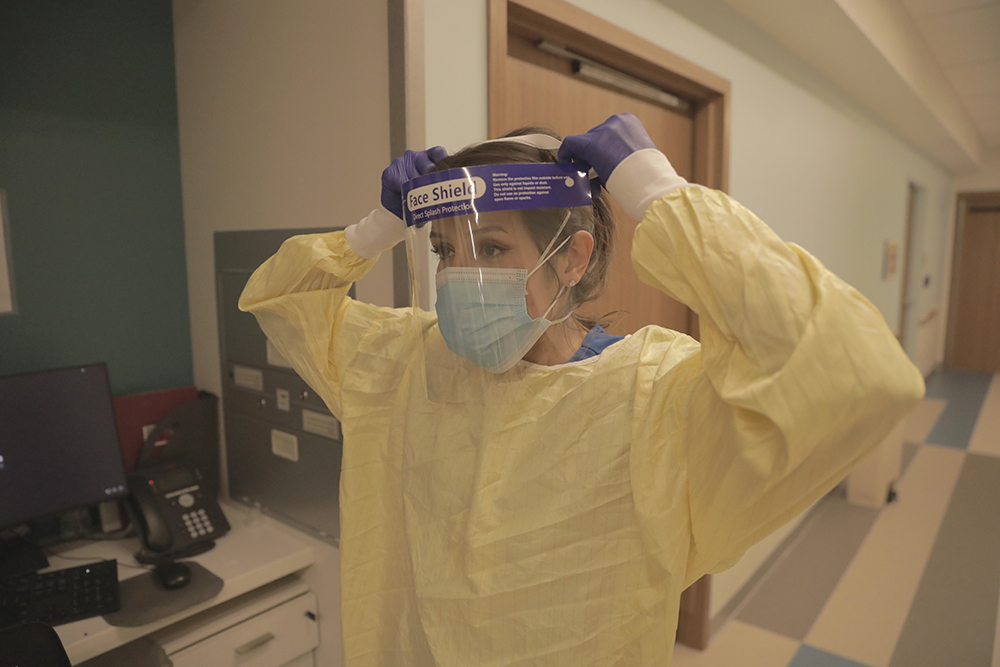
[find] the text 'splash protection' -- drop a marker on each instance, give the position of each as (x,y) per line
(497,187)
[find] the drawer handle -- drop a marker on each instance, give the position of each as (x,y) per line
(254,644)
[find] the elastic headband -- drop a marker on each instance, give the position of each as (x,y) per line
(543,141)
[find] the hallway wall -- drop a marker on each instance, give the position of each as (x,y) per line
(803,156)
(985,179)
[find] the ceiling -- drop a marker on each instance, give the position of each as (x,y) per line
(964,36)
(928,69)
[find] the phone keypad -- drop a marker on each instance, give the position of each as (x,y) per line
(198,523)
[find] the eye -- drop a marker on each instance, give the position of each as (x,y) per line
(443,252)
(491,250)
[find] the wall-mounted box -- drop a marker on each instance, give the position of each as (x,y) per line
(283,447)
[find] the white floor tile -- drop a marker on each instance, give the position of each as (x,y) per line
(864,616)
(920,422)
(739,645)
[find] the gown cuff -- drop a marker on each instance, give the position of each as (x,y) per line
(380,231)
(642,178)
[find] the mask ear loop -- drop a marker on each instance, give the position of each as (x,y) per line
(565,317)
(546,256)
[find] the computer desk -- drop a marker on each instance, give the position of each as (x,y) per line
(258,550)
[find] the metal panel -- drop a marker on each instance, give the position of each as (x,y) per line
(283,447)
(270,406)
(274,379)
(304,493)
(244,341)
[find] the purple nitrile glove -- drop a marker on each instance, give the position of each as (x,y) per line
(605,146)
(404,168)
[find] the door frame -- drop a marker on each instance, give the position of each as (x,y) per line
(964,201)
(709,97)
(596,39)
(905,297)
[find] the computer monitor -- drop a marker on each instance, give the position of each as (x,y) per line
(59,445)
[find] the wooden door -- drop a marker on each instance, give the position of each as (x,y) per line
(974,322)
(541,89)
(530,86)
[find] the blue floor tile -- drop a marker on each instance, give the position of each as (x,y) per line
(964,393)
(807,656)
(953,618)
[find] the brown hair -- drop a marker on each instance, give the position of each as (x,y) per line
(542,224)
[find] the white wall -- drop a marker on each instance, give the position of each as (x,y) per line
(284,122)
(455,72)
(822,174)
(803,156)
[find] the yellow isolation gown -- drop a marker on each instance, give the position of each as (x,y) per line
(557,521)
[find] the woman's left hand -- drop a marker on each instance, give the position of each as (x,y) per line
(605,147)
(627,162)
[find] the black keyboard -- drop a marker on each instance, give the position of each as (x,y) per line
(61,596)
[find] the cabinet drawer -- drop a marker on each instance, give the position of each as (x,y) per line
(270,639)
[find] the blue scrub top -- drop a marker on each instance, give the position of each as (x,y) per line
(596,340)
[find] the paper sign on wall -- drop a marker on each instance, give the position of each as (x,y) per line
(890,256)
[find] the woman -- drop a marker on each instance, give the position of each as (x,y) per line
(552,511)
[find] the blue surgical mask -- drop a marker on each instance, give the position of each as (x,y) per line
(483,314)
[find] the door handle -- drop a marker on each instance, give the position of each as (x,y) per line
(254,644)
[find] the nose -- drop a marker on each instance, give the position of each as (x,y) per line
(463,258)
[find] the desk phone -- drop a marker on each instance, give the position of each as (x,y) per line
(176,516)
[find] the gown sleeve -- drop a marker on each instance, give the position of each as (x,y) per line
(299,297)
(797,378)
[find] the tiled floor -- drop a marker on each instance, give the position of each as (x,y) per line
(916,584)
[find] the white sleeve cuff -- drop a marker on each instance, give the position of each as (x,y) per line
(380,231)
(642,178)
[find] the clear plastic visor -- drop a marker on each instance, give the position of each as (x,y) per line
(492,280)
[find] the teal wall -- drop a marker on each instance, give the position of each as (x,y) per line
(90,163)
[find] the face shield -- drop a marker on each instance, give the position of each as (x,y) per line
(484,244)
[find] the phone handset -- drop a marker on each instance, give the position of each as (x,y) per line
(176,517)
(152,525)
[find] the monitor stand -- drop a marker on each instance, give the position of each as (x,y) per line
(20,556)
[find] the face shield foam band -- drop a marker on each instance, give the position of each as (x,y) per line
(543,141)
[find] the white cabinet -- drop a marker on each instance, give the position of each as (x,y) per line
(272,627)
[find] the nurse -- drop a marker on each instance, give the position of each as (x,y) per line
(519,487)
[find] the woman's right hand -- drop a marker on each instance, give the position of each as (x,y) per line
(404,168)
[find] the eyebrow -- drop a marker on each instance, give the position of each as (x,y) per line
(485,229)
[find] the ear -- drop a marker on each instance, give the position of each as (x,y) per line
(576,258)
